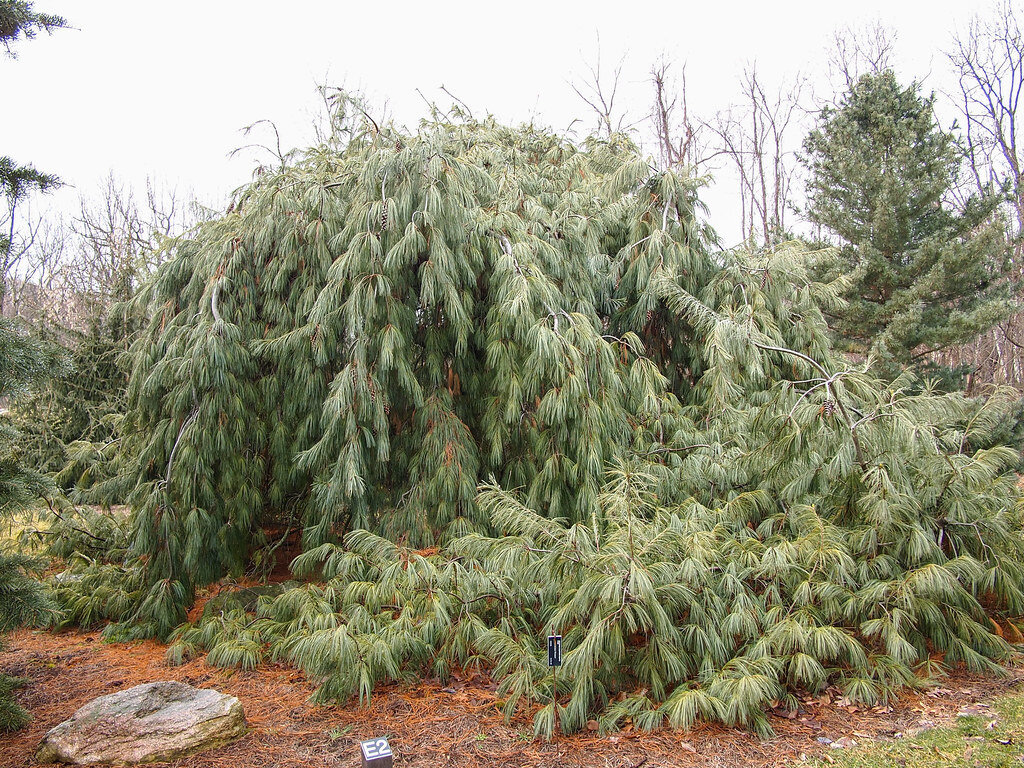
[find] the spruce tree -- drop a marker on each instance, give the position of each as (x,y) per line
(69,422)
(925,273)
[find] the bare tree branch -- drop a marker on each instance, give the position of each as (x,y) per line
(757,135)
(600,95)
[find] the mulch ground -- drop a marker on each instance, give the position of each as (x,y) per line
(429,724)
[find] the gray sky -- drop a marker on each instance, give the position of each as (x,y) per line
(163,89)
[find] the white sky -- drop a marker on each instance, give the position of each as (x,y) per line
(163,89)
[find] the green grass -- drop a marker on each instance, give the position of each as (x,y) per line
(972,742)
(16,529)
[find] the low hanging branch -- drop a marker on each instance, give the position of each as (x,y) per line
(213,304)
(827,383)
(174,449)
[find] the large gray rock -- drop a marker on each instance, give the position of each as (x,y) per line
(144,724)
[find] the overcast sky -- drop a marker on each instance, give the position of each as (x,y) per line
(162,89)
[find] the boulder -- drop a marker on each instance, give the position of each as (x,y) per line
(148,723)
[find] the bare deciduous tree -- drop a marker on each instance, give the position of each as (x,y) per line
(68,271)
(989,61)
(117,237)
(681,140)
(857,51)
(599,94)
(36,287)
(23,230)
(758,136)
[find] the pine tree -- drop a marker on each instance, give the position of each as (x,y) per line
(23,600)
(925,273)
(505,388)
(24,362)
(381,329)
(19,20)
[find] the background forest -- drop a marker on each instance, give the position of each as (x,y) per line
(445,390)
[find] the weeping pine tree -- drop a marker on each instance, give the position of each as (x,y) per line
(505,386)
(373,332)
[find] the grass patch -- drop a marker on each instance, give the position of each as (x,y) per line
(991,738)
(23,530)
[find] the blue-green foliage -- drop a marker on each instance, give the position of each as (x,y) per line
(523,354)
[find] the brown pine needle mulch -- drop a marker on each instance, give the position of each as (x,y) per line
(429,724)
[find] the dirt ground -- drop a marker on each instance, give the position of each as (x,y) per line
(427,724)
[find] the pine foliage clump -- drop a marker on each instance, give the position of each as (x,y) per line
(505,387)
(24,363)
(374,331)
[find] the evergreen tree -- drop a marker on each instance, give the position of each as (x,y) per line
(24,362)
(72,425)
(18,20)
(381,329)
(925,273)
(505,388)
(69,422)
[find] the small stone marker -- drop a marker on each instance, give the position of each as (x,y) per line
(376,753)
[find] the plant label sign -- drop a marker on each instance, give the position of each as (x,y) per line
(376,753)
(554,650)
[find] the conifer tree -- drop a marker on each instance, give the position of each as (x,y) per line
(926,273)
(505,389)
(19,20)
(24,362)
(381,329)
